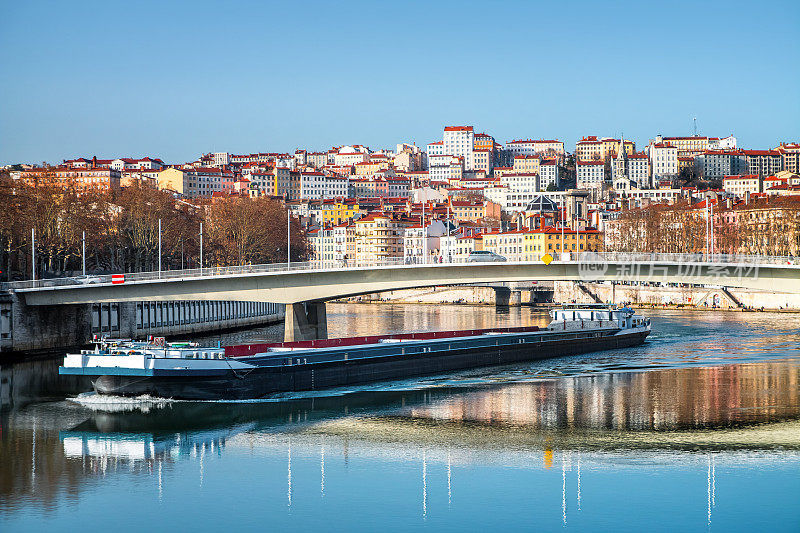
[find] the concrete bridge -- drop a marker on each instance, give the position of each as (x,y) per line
(305,287)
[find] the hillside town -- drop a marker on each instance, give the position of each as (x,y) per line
(467,192)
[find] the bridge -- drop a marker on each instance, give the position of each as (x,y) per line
(305,287)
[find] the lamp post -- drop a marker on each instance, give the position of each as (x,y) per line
(288,238)
(201,248)
(711,225)
(424,237)
(449,254)
(707,248)
(563,215)
(33,254)
(83,252)
(159,247)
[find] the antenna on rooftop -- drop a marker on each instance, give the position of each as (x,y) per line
(694,134)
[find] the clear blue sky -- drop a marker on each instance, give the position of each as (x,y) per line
(175,79)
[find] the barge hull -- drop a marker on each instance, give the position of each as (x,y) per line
(264,381)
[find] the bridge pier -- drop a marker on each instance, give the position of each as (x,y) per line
(305,321)
(505,297)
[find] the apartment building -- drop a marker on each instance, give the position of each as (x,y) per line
(635,167)
(473,210)
(459,141)
(379,236)
(592,148)
(790,157)
(521,181)
(740,185)
(762,162)
(590,173)
(549,174)
(196,182)
(81,179)
(543,147)
(532,245)
(316,185)
(287,183)
(663,161)
(482,160)
(526,164)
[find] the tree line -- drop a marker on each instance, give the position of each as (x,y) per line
(121,231)
(767,227)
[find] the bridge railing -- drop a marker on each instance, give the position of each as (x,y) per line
(568,257)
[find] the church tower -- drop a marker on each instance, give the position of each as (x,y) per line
(621,164)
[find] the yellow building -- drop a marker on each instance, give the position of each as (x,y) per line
(483,141)
(338,212)
(685,162)
(526,164)
(368,168)
(532,245)
(482,160)
(592,149)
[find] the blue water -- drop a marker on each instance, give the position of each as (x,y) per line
(698,430)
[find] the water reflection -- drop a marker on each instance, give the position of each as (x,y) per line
(52,449)
(564,443)
(679,398)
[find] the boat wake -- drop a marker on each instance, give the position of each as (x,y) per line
(110,403)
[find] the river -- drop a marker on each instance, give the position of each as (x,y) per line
(697,430)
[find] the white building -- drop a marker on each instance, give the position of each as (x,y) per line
(348,156)
(728,143)
(419,241)
(635,167)
(316,186)
(221,158)
(459,141)
(740,185)
(445,167)
(663,161)
(521,181)
(549,174)
(590,174)
(436,148)
(535,147)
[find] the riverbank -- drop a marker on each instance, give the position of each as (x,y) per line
(637,296)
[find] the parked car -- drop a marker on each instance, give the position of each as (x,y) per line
(484,256)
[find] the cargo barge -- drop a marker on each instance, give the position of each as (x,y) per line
(191,372)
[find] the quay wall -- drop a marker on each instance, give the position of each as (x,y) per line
(568,291)
(485,294)
(26,328)
(695,297)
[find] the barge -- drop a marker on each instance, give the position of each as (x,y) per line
(192,372)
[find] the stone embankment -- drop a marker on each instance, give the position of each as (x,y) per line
(705,298)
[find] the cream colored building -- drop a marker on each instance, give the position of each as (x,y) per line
(741,185)
(790,157)
(379,236)
(592,148)
(526,164)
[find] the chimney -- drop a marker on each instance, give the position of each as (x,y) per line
(94,161)
(747,198)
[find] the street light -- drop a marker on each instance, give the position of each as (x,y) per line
(83,253)
(201,248)
(159,247)
(33,254)
(288,238)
